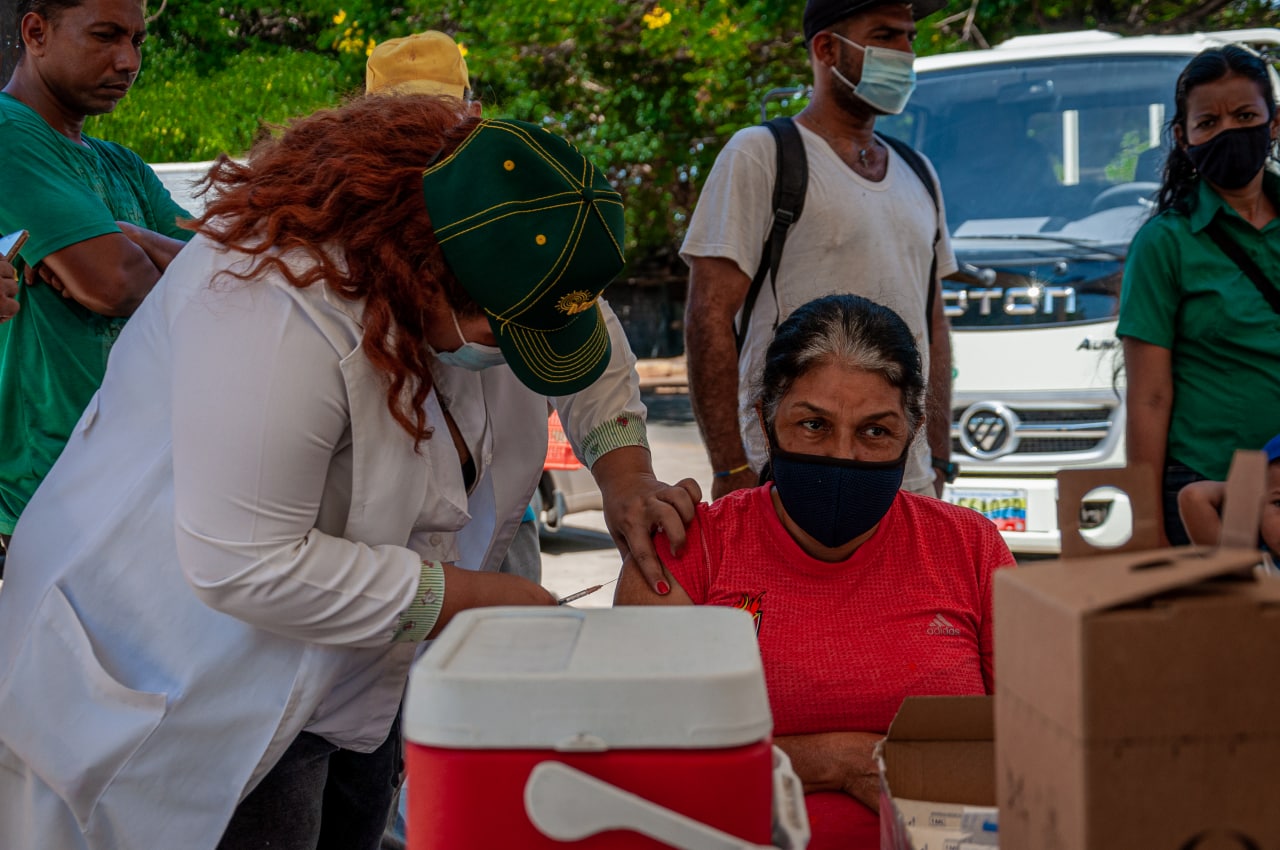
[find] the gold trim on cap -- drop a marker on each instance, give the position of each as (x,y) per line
(556,367)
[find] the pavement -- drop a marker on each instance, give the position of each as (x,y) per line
(663,372)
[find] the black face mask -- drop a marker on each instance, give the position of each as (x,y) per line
(1233,157)
(834,500)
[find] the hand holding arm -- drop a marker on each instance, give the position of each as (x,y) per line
(636,504)
(836,761)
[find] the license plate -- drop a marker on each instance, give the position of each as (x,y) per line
(1006,508)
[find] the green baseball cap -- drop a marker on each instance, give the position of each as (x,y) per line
(534,233)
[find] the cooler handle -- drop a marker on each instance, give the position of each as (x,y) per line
(566,804)
(790,817)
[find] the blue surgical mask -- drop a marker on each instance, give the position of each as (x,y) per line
(888,77)
(471,356)
(834,500)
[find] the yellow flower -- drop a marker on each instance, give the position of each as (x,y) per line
(340,17)
(657,18)
(724,27)
(462,48)
(368,48)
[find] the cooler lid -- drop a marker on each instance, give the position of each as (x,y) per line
(590,679)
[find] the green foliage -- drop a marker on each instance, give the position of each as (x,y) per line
(649,90)
(994,21)
(185,115)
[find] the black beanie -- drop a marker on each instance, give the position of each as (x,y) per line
(820,14)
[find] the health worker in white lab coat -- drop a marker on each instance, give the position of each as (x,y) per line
(211,604)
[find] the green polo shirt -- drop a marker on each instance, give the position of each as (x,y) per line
(53,353)
(1181,292)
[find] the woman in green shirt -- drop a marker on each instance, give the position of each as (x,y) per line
(1201,340)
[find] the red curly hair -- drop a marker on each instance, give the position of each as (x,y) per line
(347,183)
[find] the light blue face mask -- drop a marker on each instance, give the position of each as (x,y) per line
(888,77)
(471,356)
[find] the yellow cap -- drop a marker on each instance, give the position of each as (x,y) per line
(424,63)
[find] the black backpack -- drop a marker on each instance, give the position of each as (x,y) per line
(788,202)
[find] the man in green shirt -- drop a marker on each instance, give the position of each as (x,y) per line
(102,227)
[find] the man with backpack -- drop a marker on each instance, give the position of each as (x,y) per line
(872,225)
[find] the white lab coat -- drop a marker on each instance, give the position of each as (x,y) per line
(218,562)
(516,420)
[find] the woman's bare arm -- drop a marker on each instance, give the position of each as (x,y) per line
(1149,402)
(634,589)
(836,761)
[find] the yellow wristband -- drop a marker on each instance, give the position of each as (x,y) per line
(727,472)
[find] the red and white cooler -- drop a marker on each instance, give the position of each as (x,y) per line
(611,729)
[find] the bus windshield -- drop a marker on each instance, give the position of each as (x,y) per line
(1066,147)
(1048,168)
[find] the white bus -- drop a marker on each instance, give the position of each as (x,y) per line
(1049,149)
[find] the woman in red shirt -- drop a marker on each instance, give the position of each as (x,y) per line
(862,594)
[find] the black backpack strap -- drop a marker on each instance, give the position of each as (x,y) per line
(789,188)
(917,163)
(1238,256)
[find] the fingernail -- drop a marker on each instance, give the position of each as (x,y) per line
(662,587)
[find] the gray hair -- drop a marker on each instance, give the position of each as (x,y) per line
(852,331)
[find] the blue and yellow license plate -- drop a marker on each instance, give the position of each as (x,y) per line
(1006,508)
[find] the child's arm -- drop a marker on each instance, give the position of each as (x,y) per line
(1200,506)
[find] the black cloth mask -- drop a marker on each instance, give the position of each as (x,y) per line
(1233,157)
(834,500)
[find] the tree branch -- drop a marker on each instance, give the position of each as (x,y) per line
(1138,13)
(151,19)
(970,31)
(1192,18)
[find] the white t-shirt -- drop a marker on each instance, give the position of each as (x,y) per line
(854,236)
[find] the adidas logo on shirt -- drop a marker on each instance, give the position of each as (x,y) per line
(941,626)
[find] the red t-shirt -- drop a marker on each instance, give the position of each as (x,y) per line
(909,613)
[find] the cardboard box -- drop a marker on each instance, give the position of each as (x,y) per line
(1138,700)
(939,750)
